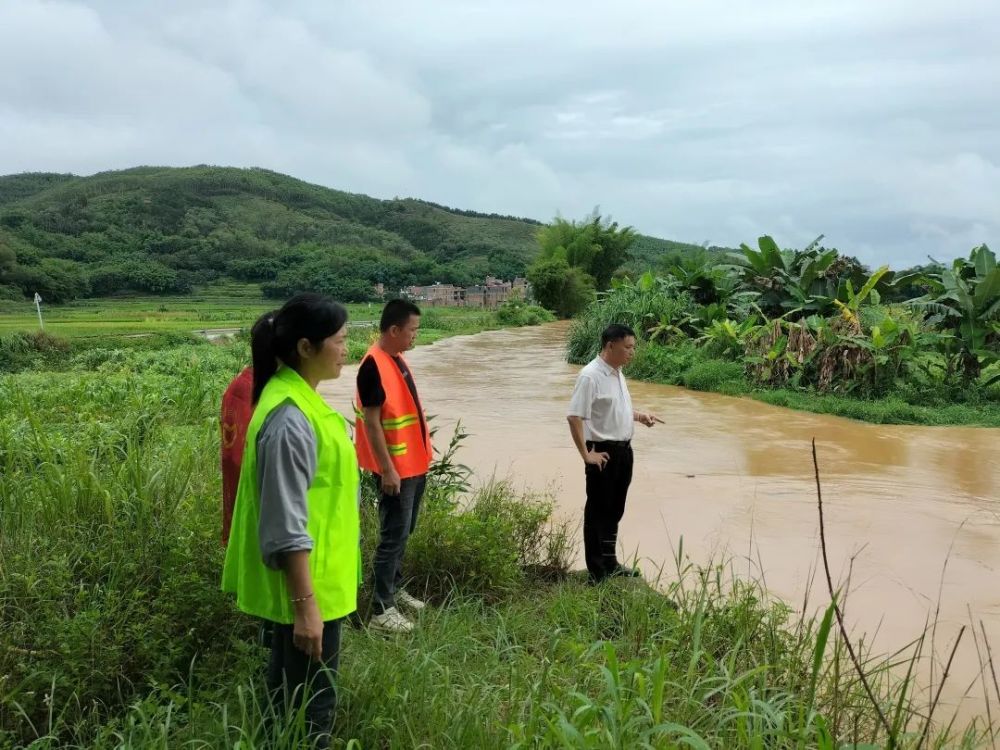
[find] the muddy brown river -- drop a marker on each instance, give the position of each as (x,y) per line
(733,478)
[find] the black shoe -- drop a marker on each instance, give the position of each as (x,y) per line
(620,571)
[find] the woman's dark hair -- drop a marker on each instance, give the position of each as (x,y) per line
(615,332)
(305,316)
(261,323)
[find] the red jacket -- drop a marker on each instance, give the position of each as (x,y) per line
(237,408)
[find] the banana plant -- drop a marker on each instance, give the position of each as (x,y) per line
(763,271)
(707,282)
(812,267)
(765,262)
(789,283)
(728,336)
(895,347)
(850,308)
(648,283)
(668,328)
(704,315)
(965,300)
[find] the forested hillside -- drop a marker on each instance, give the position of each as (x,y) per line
(652,253)
(165,230)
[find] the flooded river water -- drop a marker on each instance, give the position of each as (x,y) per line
(734,478)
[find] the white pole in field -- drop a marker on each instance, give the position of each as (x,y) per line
(38,306)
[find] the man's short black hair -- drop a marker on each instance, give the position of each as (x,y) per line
(397,312)
(615,332)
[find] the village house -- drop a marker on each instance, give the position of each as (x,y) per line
(436,295)
(490,295)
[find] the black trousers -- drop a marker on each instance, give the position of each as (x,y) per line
(607,489)
(397,520)
(293,679)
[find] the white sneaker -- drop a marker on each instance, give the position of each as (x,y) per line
(391,621)
(410,602)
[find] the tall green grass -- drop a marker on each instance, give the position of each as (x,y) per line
(107,503)
(629,306)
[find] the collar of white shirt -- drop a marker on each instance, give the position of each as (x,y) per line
(605,367)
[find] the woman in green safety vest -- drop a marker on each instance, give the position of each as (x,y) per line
(293,554)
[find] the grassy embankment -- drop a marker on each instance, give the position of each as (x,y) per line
(687,366)
(116,635)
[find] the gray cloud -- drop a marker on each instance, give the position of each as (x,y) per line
(874,123)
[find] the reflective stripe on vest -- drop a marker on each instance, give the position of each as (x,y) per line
(332,504)
(400,422)
(408,442)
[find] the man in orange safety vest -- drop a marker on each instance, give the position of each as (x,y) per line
(394,444)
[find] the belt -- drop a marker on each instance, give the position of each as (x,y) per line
(613,443)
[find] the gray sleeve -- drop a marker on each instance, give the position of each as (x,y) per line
(286,465)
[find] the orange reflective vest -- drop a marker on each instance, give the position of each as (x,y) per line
(409,445)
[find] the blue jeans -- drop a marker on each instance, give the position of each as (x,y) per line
(397,518)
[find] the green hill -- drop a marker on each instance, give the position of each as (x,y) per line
(166,230)
(16,187)
(163,230)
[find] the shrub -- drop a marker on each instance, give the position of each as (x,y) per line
(487,547)
(139,274)
(23,350)
(9,293)
(639,307)
(518,313)
(664,364)
(323,274)
(431,317)
(711,374)
(58,280)
(564,289)
(92,359)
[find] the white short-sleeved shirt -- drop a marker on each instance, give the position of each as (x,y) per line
(601,399)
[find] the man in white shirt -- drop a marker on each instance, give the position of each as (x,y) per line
(601,421)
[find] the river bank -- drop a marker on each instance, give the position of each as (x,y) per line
(116,634)
(913,509)
(687,366)
(880,354)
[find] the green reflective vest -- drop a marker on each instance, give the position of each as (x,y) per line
(333,520)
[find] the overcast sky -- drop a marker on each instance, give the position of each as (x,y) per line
(875,122)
